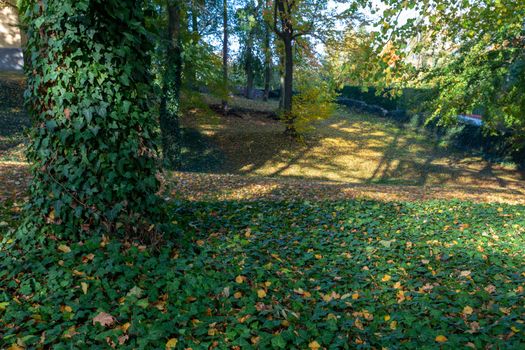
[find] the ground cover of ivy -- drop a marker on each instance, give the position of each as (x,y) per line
(283,275)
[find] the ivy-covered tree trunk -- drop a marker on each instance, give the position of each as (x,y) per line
(92,144)
(170,101)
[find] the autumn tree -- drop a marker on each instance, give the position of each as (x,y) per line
(92,145)
(294,19)
(481,64)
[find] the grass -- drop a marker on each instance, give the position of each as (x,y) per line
(348,147)
(277,275)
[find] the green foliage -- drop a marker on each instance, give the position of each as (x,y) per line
(354,59)
(477,59)
(352,274)
(92,142)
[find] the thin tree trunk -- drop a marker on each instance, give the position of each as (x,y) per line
(281,81)
(267,63)
(195,37)
(288,75)
(225,54)
(249,65)
(170,100)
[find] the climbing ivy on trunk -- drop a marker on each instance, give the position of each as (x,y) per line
(92,145)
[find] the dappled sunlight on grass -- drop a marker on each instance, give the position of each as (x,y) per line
(347,148)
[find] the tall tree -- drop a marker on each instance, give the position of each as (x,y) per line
(267,61)
(92,145)
(293,19)
(172,79)
(250,35)
(225,54)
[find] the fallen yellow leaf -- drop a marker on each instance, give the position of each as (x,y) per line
(314,345)
(358,324)
(125,327)
(66,308)
(239,279)
(441,339)
(64,248)
(355,296)
(84,286)
(237,295)
(15,347)
(261,293)
(172,343)
(467,310)
(386,278)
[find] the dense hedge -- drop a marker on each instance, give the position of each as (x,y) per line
(409,107)
(92,142)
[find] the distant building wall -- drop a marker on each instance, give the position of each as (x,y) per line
(10,40)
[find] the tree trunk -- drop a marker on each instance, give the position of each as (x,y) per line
(249,65)
(170,101)
(195,37)
(288,75)
(225,55)
(267,63)
(281,81)
(93,136)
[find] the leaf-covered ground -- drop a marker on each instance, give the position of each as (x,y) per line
(260,262)
(283,275)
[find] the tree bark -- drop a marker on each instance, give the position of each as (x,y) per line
(281,81)
(170,101)
(267,63)
(195,37)
(225,55)
(283,9)
(248,67)
(288,74)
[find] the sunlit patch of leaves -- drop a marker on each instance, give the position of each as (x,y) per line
(279,275)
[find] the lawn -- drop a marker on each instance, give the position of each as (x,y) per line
(282,275)
(349,147)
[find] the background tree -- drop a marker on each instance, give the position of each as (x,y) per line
(293,19)
(92,145)
(481,68)
(225,53)
(171,88)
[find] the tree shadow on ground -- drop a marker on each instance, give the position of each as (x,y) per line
(198,152)
(13,118)
(346,148)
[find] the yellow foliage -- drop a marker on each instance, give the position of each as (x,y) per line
(315,100)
